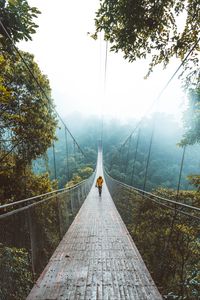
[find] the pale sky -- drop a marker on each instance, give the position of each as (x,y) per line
(74,64)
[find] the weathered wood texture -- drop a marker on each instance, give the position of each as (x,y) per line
(96,259)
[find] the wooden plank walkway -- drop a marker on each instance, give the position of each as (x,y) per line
(97,258)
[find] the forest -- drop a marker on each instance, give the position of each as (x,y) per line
(166,154)
(38,154)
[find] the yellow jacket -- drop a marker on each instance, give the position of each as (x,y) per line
(99,181)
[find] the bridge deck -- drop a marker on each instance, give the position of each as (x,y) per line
(96,259)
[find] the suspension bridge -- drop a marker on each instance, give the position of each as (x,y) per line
(96,259)
(93,254)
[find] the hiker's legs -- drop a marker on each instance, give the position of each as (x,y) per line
(100,190)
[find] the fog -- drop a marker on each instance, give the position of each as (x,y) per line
(166,154)
(75,65)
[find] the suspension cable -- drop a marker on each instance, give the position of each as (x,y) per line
(128,154)
(38,84)
(16,203)
(105,68)
(54,162)
(15,211)
(149,155)
(136,150)
(150,195)
(162,91)
(172,208)
(104,89)
(67,154)
(74,154)
(11,150)
(180,173)
(156,102)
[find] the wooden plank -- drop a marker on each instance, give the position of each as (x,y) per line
(96,259)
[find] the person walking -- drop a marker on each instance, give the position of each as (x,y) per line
(99,184)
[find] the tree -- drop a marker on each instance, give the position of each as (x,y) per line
(81,175)
(17,18)
(15,275)
(192,127)
(27,125)
(139,28)
(195,180)
(192,119)
(27,115)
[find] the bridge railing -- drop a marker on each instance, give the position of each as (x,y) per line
(30,230)
(166,232)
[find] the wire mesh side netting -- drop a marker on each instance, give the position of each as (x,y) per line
(166,235)
(30,234)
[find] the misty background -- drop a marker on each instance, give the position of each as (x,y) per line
(165,159)
(87,93)
(75,66)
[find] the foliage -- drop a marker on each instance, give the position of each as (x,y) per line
(192,118)
(17,185)
(139,28)
(69,161)
(15,273)
(195,180)
(27,125)
(75,179)
(81,175)
(17,18)
(27,115)
(85,172)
